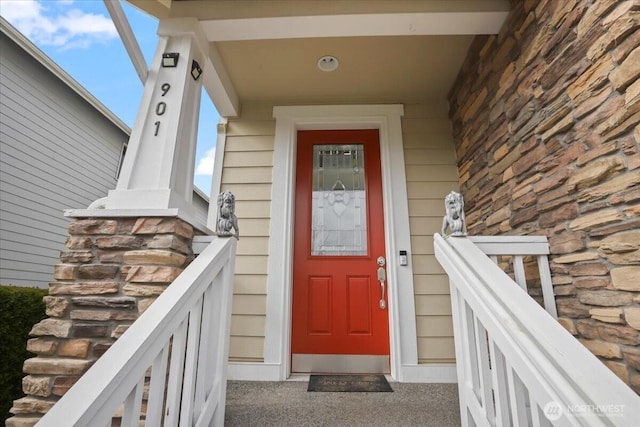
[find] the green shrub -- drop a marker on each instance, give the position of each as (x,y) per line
(20,309)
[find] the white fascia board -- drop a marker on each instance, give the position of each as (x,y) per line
(62,75)
(218,85)
(378,24)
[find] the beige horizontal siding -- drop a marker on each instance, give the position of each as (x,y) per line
(251,127)
(246,159)
(434,156)
(426,265)
(434,284)
(247,325)
(431,174)
(436,350)
(254,227)
(246,349)
(252,175)
(249,191)
(433,305)
(251,264)
(426,207)
(253,208)
(426,125)
(247,172)
(422,245)
(435,190)
(424,225)
(249,304)
(434,173)
(253,246)
(250,284)
(435,326)
(249,143)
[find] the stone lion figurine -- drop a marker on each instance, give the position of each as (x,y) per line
(454,215)
(227,219)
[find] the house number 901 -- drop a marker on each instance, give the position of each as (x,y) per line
(161,107)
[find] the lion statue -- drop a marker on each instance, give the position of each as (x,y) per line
(227,219)
(454,215)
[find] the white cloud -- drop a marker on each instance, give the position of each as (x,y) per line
(57,23)
(205,164)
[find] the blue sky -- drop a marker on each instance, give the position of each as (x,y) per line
(81,38)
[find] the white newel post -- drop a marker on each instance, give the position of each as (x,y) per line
(157,172)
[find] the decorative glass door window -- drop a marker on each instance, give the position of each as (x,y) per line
(339,205)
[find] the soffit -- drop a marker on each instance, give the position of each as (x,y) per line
(399,69)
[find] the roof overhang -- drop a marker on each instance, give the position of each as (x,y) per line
(399,51)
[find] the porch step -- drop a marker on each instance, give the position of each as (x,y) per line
(289,404)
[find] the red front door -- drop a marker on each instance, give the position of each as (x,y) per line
(340,320)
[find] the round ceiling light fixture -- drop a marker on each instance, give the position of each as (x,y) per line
(328,63)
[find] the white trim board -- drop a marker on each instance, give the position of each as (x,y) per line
(185,215)
(402,321)
(255,371)
(356,25)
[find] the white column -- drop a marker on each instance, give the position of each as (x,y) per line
(157,172)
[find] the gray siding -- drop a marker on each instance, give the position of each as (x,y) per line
(56,152)
(201,205)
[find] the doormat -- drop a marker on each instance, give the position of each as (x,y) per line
(349,383)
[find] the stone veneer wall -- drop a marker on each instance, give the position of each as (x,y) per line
(112,271)
(546,120)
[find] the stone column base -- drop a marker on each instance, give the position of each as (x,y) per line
(112,270)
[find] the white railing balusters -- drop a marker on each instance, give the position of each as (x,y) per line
(179,346)
(463,367)
(500,388)
(133,406)
(548,296)
(518,399)
(176,374)
(204,355)
(155,405)
(472,350)
(485,372)
(518,271)
(517,247)
(516,365)
(191,367)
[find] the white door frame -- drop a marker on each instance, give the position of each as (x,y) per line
(402,323)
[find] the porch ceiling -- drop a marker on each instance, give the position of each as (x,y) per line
(389,51)
(399,69)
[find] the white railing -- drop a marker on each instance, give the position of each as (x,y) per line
(174,357)
(517,248)
(516,365)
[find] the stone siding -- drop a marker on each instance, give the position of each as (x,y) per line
(112,270)
(545,118)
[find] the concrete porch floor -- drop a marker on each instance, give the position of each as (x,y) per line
(289,404)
